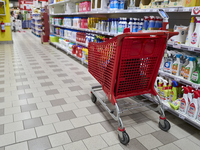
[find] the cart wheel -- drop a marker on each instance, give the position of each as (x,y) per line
(125,139)
(93,97)
(166,127)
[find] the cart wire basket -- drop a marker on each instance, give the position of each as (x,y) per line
(127,65)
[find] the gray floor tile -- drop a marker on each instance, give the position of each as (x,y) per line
(51,92)
(42,77)
(32,123)
(164,137)
(39,144)
(67,115)
(1,129)
(36,67)
(38,72)
(1,90)
(62,75)
(87,78)
(1,99)
(68,64)
(49,62)
(73,68)
(2,82)
(68,81)
(80,73)
(139,118)
(58,102)
(2,112)
(25,96)
(21,80)
(52,66)
(75,88)
(78,134)
(23,87)
(134,144)
(46,84)
(34,63)
(57,70)
(107,126)
(2,148)
(28,107)
(83,97)
(1,76)
(95,109)
(19,74)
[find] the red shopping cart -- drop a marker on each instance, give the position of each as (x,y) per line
(126,66)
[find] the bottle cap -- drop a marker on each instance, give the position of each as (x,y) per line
(186,90)
(175,84)
(196,94)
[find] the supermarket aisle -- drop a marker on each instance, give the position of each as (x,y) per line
(45,104)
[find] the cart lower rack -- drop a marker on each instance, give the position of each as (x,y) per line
(127,65)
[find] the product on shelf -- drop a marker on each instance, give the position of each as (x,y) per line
(184,101)
(193,107)
(195,76)
(190,31)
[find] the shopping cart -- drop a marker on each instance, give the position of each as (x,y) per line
(125,66)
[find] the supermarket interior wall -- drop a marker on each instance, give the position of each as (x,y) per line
(6,36)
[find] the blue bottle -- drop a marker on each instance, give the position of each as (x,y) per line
(122,4)
(145,26)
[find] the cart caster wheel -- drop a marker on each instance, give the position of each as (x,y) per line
(166,127)
(125,139)
(93,98)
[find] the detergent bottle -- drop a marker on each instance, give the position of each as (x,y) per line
(176,65)
(164,92)
(168,63)
(184,65)
(179,90)
(190,94)
(193,108)
(169,89)
(195,77)
(184,101)
(145,26)
(196,34)
(173,94)
(198,114)
(160,85)
(190,68)
(190,31)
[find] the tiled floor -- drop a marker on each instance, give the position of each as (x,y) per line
(45,104)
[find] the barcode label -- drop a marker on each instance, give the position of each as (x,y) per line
(191,48)
(181,116)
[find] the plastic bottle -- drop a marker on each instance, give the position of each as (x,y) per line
(195,76)
(164,92)
(160,84)
(193,107)
(184,101)
(190,68)
(173,94)
(116,26)
(111,4)
(179,90)
(116,5)
(121,4)
(196,34)
(190,94)
(141,25)
(157,23)
(151,22)
(124,23)
(130,24)
(168,63)
(134,25)
(184,65)
(120,26)
(169,89)
(112,26)
(198,114)
(190,31)
(145,27)
(177,65)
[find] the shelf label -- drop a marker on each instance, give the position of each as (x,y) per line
(155,10)
(195,11)
(181,116)
(177,79)
(191,48)
(186,9)
(176,45)
(195,86)
(171,9)
(147,10)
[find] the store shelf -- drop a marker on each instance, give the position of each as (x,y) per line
(36,18)
(59,3)
(152,10)
(87,30)
(177,113)
(184,47)
(72,40)
(179,79)
(58,45)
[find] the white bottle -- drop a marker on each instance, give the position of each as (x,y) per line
(112,26)
(189,68)
(190,31)
(198,114)
(193,108)
(176,65)
(190,94)
(196,34)
(184,101)
(125,24)
(130,24)
(120,26)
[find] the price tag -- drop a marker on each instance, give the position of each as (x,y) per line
(147,10)
(176,45)
(181,116)
(177,79)
(191,48)
(195,11)
(195,86)
(130,10)
(171,9)
(155,10)
(186,9)
(139,10)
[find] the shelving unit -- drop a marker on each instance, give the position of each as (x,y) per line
(177,15)
(36,27)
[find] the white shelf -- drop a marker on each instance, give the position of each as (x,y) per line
(184,47)
(36,18)
(179,79)
(67,51)
(151,10)
(177,113)
(87,30)
(72,40)
(59,3)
